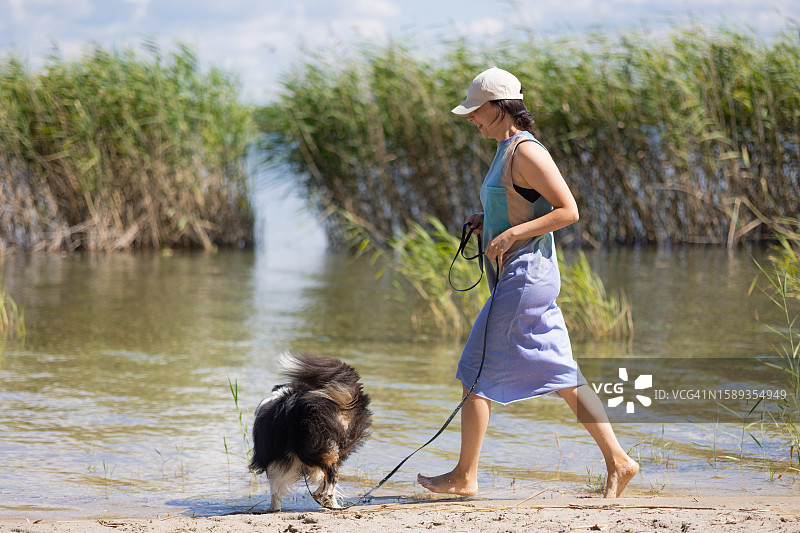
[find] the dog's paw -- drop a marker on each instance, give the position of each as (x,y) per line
(330,502)
(275,505)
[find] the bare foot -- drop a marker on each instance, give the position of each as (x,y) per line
(618,478)
(449,484)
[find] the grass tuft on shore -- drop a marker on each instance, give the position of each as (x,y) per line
(12,317)
(588,309)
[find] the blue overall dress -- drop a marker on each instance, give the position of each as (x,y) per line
(528,351)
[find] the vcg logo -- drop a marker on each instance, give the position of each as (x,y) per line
(644,381)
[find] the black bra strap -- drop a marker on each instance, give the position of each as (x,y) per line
(530,195)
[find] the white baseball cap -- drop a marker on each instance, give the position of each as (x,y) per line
(492,84)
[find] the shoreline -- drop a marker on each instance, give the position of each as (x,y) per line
(563,514)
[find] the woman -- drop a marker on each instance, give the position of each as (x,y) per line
(528,353)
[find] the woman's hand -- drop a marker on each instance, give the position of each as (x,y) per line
(498,247)
(475,222)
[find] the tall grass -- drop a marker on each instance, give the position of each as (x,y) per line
(783,288)
(122,149)
(12,317)
(690,137)
(588,309)
(422,259)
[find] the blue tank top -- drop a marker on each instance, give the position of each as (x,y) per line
(503,206)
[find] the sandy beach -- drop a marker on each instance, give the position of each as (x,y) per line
(566,514)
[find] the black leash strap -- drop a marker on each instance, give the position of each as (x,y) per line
(462,247)
(465,237)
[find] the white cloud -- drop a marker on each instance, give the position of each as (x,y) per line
(37,11)
(381,9)
(17,12)
(37,24)
(486,27)
(578,15)
(357,29)
(141,8)
(259,49)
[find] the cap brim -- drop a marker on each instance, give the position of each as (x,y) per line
(467,106)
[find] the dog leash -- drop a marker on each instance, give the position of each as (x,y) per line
(462,247)
(465,237)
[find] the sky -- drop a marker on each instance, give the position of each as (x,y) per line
(258,40)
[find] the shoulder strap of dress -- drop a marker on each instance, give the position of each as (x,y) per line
(535,140)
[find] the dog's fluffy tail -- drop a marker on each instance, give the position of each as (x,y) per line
(326,376)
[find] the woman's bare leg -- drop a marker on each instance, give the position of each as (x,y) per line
(588,407)
(463,479)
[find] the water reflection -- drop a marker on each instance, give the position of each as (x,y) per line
(685,297)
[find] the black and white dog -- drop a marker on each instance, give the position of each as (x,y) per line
(309,426)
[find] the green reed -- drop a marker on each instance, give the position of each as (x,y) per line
(122,149)
(783,289)
(689,137)
(596,483)
(12,317)
(242,419)
(422,260)
(588,310)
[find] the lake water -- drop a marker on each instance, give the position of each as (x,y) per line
(119,403)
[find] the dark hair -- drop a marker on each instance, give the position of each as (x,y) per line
(517,111)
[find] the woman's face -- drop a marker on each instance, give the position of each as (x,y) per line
(487,117)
